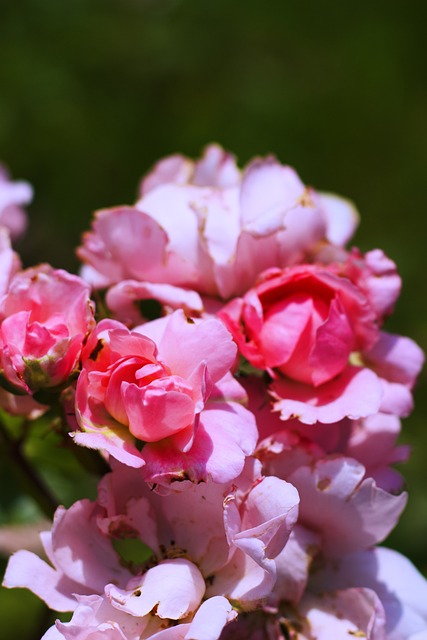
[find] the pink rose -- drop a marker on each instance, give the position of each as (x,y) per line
(303,324)
(46,316)
(193,577)
(398,584)
(208,227)
(316,330)
(12,196)
(169,390)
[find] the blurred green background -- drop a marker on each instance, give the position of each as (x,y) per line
(92,92)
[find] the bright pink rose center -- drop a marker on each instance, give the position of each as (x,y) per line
(307,338)
(144,396)
(39,339)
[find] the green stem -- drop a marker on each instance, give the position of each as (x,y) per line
(89,459)
(27,476)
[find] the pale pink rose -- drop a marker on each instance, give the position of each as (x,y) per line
(338,615)
(347,509)
(339,502)
(13,195)
(165,401)
(234,534)
(399,585)
(206,226)
(96,618)
(189,575)
(45,317)
(317,333)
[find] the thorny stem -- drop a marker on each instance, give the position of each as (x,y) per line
(28,477)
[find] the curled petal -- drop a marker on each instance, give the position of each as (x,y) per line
(349,512)
(121,299)
(173,589)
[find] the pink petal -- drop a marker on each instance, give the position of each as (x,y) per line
(268,191)
(395,358)
(356,393)
(344,614)
(183,239)
(399,585)
(185,344)
(396,399)
(271,511)
(121,299)
(348,511)
(383,284)
(283,328)
(113,248)
(293,565)
(176,169)
(175,587)
(334,342)
(341,216)
(158,410)
(216,168)
(210,619)
(117,443)
(95,618)
(225,435)
(28,571)
(81,551)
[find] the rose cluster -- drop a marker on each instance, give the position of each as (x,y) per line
(237,377)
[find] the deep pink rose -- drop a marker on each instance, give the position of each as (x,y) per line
(303,325)
(45,316)
(303,322)
(316,330)
(168,391)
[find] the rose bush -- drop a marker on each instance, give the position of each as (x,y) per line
(238,499)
